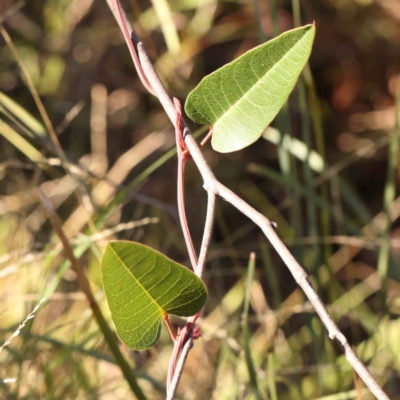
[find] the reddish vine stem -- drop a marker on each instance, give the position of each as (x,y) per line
(131,41)
(182,158)
(185,335)
(173,383)
(214,187)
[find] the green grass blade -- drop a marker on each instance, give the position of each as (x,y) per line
(20,143)
(14,110)
(245,329)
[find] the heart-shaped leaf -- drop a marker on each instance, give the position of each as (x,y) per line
(242,98)
(142,286)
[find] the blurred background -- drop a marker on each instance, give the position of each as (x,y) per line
(326,172)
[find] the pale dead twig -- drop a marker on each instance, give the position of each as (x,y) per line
(31,315)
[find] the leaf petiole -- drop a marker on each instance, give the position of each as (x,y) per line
(170,327)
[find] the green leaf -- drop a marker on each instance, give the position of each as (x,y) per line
(142,286)
(242,98)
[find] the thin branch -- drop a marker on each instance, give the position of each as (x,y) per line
(175,368)
(158,87)
(182,158)
(297,271)
(22,325)
(179,368)
(213,186)
(183,337)
(175,365)
(178,356)
(131,39)
(208,229)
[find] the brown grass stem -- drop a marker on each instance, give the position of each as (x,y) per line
(84,285)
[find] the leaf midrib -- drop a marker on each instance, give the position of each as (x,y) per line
(263,77)
(138,282)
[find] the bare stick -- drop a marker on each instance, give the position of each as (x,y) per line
(179,343)
(212,185)
(174,114)
(208,229)
(179,369)
(182,158)
(131,39)
(175,368)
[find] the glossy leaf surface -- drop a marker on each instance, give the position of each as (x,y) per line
(242,98)
(142,285)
